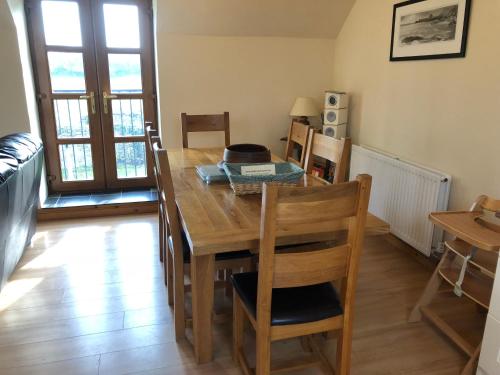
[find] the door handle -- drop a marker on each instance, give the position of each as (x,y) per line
(90,97)
(105,98)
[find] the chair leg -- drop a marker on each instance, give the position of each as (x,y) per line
(238,327)
(431,289)
(165,266)
(161,234)
(170,276)
(220,274)
(179,305)
(305,343)
(343,364)
(229,286)
(471,364)
(263,354)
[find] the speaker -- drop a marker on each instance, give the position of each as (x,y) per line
(335,131)
(336,100)
(335,116)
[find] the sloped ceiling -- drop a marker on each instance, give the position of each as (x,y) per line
(281,18)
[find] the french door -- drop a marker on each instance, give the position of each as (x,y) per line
(93,61)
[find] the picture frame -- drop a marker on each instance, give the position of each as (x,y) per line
(429,29)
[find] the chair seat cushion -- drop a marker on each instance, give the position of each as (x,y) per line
(290,305)
(186,251)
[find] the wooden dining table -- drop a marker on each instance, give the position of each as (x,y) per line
(216,220)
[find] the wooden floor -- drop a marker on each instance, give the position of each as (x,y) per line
(88,298)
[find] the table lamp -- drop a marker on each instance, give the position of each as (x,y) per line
(304,108)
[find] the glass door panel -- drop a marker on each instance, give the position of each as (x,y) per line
(76,162)
(121,23)
(66,72)
(130,159)
(128,118)
(61,23)
(125,73)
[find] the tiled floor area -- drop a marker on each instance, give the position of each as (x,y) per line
(59,201)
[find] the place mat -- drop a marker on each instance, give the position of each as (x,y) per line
(211,173)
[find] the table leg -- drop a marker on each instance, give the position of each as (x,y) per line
(202,290)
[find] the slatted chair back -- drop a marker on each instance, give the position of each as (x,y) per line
(297,136)
(153,137)
(205,123)
(167,190)
(174,243)
(334,150)
(484,202)
(325,208)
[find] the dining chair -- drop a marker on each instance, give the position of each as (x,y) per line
(178,250)
(153,136)
(297,138)
(332,150)
(205,123)
(292,294)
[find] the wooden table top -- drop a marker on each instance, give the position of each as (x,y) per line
(468,226)
(216,220)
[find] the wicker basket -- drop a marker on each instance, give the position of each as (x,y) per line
(287,174)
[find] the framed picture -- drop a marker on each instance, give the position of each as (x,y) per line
(429,29)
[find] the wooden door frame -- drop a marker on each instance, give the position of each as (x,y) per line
(36,38)
(148,95)
(41,75)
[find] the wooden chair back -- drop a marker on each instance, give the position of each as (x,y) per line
(297,136)
(168,202)
(331,149)
(205,123)
(484,202)
(153,137)
(326,207)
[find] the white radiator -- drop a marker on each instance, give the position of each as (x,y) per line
(403,194)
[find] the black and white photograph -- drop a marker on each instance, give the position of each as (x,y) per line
(429,29)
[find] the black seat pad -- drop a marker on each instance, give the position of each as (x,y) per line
(290,305)
(186,251)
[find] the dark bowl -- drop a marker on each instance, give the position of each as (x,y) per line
(247,153)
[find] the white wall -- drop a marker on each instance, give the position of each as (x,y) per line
(17,11)
(13,108)
(18,106)
(256,79)
(440,113)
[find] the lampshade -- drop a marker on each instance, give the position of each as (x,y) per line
(304,107)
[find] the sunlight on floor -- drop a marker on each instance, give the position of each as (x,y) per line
(71,249)
(16,289)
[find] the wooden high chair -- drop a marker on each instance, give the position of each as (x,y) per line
(468,265)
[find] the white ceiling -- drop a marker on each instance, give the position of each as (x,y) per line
(281,18)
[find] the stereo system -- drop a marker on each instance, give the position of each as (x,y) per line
(336,100)
(335,131)
(335,114)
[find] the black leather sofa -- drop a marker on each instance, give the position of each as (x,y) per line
(21,159)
